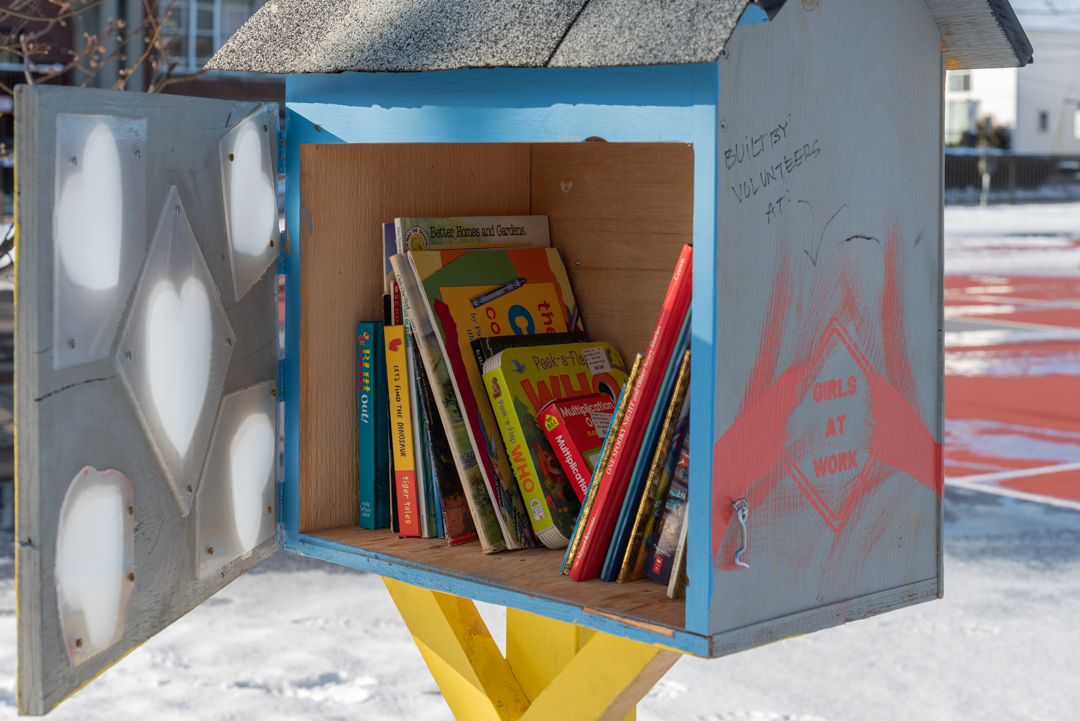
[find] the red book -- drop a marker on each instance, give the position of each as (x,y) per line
(576,429)
(613,484)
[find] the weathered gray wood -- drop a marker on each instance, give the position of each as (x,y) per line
(828,267)
(981,34)
(81,415)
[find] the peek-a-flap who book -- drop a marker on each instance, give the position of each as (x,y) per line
(521,381)
(480,293)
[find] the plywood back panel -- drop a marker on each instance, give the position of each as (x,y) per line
(346,193)
(620,213)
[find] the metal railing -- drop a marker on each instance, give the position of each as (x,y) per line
(992,176)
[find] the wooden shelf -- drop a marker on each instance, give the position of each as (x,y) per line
(533,571)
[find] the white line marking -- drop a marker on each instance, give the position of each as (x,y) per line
(987,482)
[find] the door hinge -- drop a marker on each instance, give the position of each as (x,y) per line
(281,152)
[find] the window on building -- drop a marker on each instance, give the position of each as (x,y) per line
(196,29)
(959,82)
(1044,121)
(960,116)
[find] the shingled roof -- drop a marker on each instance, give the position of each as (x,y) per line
(329,36)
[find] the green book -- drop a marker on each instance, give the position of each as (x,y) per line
(374,426)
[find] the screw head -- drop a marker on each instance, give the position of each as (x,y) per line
(266,128)
(723,54)
(189,489)
(176,210)
(127,356)
(210,550)
(131,511)
(131,576)
(231,157)
(78,643)
(269,509)
(271,242)
(273,392)
(138,153)
(228,341)
(71,343)
(74,160)
(723,126)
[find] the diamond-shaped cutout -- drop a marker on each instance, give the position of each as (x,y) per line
(175,349)
(99,231)
(249,183)
(833,453)
(236,504)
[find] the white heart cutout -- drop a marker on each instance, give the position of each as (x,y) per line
(93,549)
(252,199)
(251,458)
(178,346)
(90,213)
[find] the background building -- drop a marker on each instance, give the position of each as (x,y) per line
(1039,104)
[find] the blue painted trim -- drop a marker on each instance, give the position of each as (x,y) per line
(436,579)
(753,15)
(699,596)
(672,103)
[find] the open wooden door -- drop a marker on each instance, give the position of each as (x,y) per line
(146,370)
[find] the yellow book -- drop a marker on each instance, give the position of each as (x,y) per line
(401,431)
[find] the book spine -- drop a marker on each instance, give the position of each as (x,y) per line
(636,484)
(397,381)
(485,523)
(597,535)
(521,460)
(662,555)
(598,472)
(372,427)
(419,430)
(656,470)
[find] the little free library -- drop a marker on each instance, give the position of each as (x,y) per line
(625,316)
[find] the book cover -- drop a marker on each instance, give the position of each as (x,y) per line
(519,382)
(425,482)
(487,346)
(401,429)
(373,426)
(596,538)
(594,483)
(476,293)
(450,511)
(677,413)
(468,485)
(576,429)
(676,587)
(620,537)
(465,233)
(661,554)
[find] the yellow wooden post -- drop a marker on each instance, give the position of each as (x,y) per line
(553,671)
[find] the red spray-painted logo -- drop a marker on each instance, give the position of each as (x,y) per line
(830,422)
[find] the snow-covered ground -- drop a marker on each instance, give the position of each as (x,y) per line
(301,639)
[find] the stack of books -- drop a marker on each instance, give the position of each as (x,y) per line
(485,413)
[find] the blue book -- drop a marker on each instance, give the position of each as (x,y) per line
(376,476)
(621,538)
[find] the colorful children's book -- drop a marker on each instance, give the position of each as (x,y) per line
(661,556)
(521,381)
(502,231)
(620,538)
(479,293)
(487,346)
(425,482)
(373,414)
(391,288)
(596,537)
(594,483)
(576,429)
(676,587)
(468,485)
(677,412)
(401,430)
